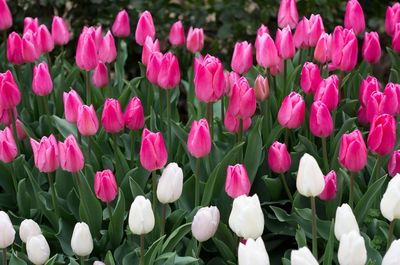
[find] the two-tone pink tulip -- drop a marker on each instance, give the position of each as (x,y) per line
(354,17)
(71,157)
(121,27)
(153,153)
(382,134)
(209,80)
(242,58)
(176,34)
(292,111)
(199,139)
(237,181)
(145,27)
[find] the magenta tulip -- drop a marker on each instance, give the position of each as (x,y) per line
(44,39)
(107,49)
(328,92)
(301,35)
(6,19)
(284,43)
(292,111)
(344,49)
(394,163)
(266,51)
(105,186)
(153,154)
(232,123)
(112,117)
(60,31)
(278,158)
(100,75)
(42,84)
(10,96)
(392,18)
(145,27)
(30,47)
(31,24)
(72,102)
(322,52)
(177,34)
(8,148)
(121,27)
(316,29)
(382,135)
(71,157)
(14,48)
(242,58)
(330,189)
(195,40)
(310,78)
(262,29)
(169,74)
(287,14)
(87,121)
(237,181)
(354,17)
(242,103)
(230,79)
(199,139)
(396,38)
(321,124)
(149,47)
(353,152)
(86,52)
(368,86)
(371,49)
(46,154)
(134,114)
(153,67)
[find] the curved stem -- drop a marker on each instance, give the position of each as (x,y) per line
(197,184)
(390,233)
(87,79)
(351,190)
(222,109)
(89,148)
(285,86)
(240,138)
(141,249)
(14,178)
(376,169)
(314,228)
(210,117)
(285,185)
(325,154)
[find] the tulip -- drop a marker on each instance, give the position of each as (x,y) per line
(170,184)
(232,125)
(242,58)
(242,103)
(100,75)
(71,157)
(392,98)
(278,158)
(169,74)
(321,124)
(60,31)
(9,92)
(237,181)
(44,39)
(292,111)
(284,43)
(316,29)
(105,186)
(266,51)
(177,34)
(330,189)
(230,79)
(153,154)
(107,49)
(81,241)
(87,122)
(8,147)
(390,201)
(246,218)
(145,27)
(352,249)
(209,81)
(38,249)
(42,84)
(344,49)
(300,37)
(86,52)
(262,29)
(353,152)
(6,20)
(354,17)
(371,49)
(261,88)
(98,263)
(328,92)
(134,115)
(121,27)
(14,48)
(310,78)
(30,47)
(382,135)
(362,115)
(112,117)
(345,221)
(368,86)
(20,131)
(205,223)
(302,256)
(195,40)
(322,52)
(95,33)
(148,48)
(153,67)
(141,217)
(253,252)
(46,154)
(5,117)
(287,14)
(396,38)
(7,232)
(394,163)
(27,229)
(310,180)
(392,254)
(72,102)
(31,24)
(392,18)
(380,103)
(199,139)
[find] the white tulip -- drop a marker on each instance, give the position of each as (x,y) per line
(170,184)
(310,180)
(98,263)
(390,203)
(247,218)
(352,249)
(302,256)
(4,216)
(392,255)
(28,228)
(345,221)
(7,232)
(205,223)
(141,216)
(82,241)
(253,253)
(38,249)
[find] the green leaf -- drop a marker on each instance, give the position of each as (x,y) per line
(116,225)
(253,155)
(301,238)
(109,260)
(176,237)
(153,250)
(15,260)
(226,252)
(64,127)
(329,248)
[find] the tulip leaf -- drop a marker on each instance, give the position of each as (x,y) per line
(175,237)
(15,260)
(329,248)
(23,199)
(301,238)
(109,260)
(64,127)
(153,251)
(116,225)
(226,252)
(253,155)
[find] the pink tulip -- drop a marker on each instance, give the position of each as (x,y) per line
(321,124)
(266,51)
(284,43)
(31,24)
(276,69)
(368,85)
(134,114)
(237,181)
(232,123)
(392,18)
(353,152)
(382,135)
(6,20)
(278,158)
(261,88)
(209,80)
(316,29)
(380,103)
(177,34)
(230,79)
(60,31)
(10,96)
(262,29)
(330,189)
(87,121)
(100,75)
(153,154)
(328,92)
(8,148)
(105,186)
(301,35)
(394,163)
(5,117)
(42,84)
(144,28)
(199,139)
(121,27)
(44,39)
(362,115)
(71,157)
(242,58)
(392,92)
(169,74)
(287,14)
(46,154)
(344,49)
(242,103)
(354,17)
(153,67)
(30,47)
(396,38)
(292,111)
(21,134)
(310,78)
(371,49)
(148,48)
(95,33)
(322,52)
(107,49)
(14,49)
(72,102)
(195,40)
(112,117)
(86,51)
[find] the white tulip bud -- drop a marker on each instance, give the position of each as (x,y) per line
(392,255)
(247,218)
(98,263)
(170,184)
(7,232)
(302,256)
(390,203)
(4,216)
(310,180)
(205,223)
(38,249)
(27,229)
(345,221)
(352,249)
(141,216)
(253,253)
(82,241)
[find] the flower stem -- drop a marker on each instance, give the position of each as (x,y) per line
(82,260)
(163,219)
(169,121)
(4,256)
(351,190)
(154,179)
(197,184)
(132,133)
(89,148)
(285,85)
(87,79)
(390,233)
(53,193)
(141,249)
(376,169)
(314,228)
(325,154)
(14,129)
(199,250)
(240,138)
(285,185)
(210,116)
(222,110)
(109,210)
(14,179)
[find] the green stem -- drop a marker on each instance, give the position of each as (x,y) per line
(376,170)
(314,228)
(209,116)
(197,183)
(53,193)
(132,133)
(285,86)
(222,109)
(154,179)
(169,121)
(287,137)
(109,210)
(4,256)
(325,154)
(199,250)
(351,190)
(89,148)
(14,129)
(163,219)
(301,56)
(87,79)
(77,183)
(14,177)
(141,249)
(49,64)
(82,260)
(240,138)
(285,185)
(390,233)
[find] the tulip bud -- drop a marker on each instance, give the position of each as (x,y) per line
(382,135)
(392,18)
(112,117)
(71,157)
(38,249)
(107,49)
(242,103)
(232,125)
(316,29)
(230,79)
(6,16)
(153,67)
(261,88)
(105,186)
(59,31)
(177,34)
(242,58)
(345,221)
(86,52)
(246,218)
(310,78)
(352,249)
(121,27)
(44,39)
(87,121)
(72,102)
(237,181)
(42,84)
(195,40)
(169,74)
(322,52)
(353,152)
(302,256)
(392,254)
(262,29)
(394,163)
(148,48)
(278,158)
(14,48)
(287,14)
(371,49)
(134,115)
(266,51)
(284,43)
(8,148)
(141,217)
(81,241)
(328,92)
(31,24)
(100,75)
(390,201)
(205,223)
(145,27)
(30,47)
(10,95)
(368,85)
(344,49)
(310,180)
(292,111)
(380,103)
(46,154)
(396,38)
(27,229)
(392,99)
(300,37)
(321,124)
(199,139)
(354,17)
(253,252)
(153,154)
(330,189)
(170,184)
(7,232)
(98,263)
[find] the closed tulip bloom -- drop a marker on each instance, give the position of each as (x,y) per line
(71,157)
(237,181)
(242,58)
(242,103)
(316,29)
(392,18)
(300,36)
(354,17)
(345,221)
(266,51)
(205,223)
(353,152)
(378,103)
(392,254)
(141,217)
(330,188)
(170,184)
(121,27)
(368,86)
(209,81)
(6,20)
(107,49)
(394,163)
(392,93)
(371,49)
(105,186)
(98,263)
(72,102)
(30,47)
(302,256)
(144,28)
(292,111)
(390,203)
(5,117)
(352,249)
(287,14)
(42,84)
(278,158)
(8,148)
(27,229)
(262,29)
(382,135)
(60,31)
(31,24)
(253,253)
(96,34)
(396,38)
(284,43)
(100,75)
(199,139)
(10,95)
(7,232)
(323,48)
(86,52)
(81,241)
(177,34)
(46,154)
(195,39)
(14,48)
(246,218)
(310,77)
(261,88)
(149,47)
(232,125)
(134,114)
(344,49)
(38,249)
(310,180)
(328,92)
(112,117)
(153,67)
(45,39)
(321,123)
(153,154)
(169,74)
(230,79)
